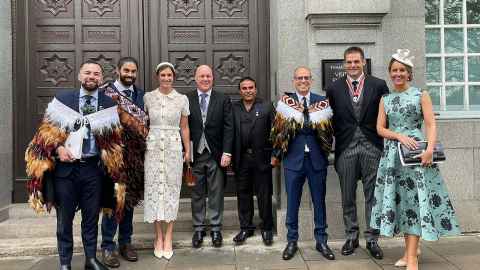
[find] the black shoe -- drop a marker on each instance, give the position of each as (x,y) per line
(290,250)
(197,238)
(375,250)
(94,264)
(110,258)
(267,237)
(128,253)
(349,247)
(217,238)
(242,236)
(325,250)
(65,267)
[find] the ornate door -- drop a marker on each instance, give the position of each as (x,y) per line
(52,37)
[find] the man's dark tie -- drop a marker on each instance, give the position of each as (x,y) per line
(128,93)
(306,116)
(355,85)
(203,102)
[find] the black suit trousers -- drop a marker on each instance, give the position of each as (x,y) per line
(251,180)
(81,189)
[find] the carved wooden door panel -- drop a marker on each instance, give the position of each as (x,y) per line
(229,35)
(60,34)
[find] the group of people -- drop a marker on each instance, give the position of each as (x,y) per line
(133,147)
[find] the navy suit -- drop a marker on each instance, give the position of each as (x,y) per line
(78,185)
(300,165)
(109,224)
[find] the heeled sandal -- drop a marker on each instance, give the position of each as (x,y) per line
(403,263)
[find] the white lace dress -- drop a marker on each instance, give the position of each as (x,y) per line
(163,158)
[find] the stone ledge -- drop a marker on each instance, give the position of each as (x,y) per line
(346,6)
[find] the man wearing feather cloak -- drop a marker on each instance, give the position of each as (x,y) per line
(71,160)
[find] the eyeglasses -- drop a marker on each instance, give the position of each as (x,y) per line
(303,78)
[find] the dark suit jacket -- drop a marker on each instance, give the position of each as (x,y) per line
(64,169)
(137,95)
(293,159)
(344,121)
(218,126)
(260,133)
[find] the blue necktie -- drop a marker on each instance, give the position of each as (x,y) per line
(306,116)
(128,93)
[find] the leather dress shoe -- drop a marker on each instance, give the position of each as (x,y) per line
(65,267)
(290,250)
(217,238)
(128,253)
(94,264)
(242,236)
(349,247)
(267,237)
(197,238)
(110,258)
(325,250)
(375,250)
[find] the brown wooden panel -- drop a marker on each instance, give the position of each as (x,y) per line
(63,34)
(230,8)
(186,35)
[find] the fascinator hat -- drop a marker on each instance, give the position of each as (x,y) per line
(403,56)
(164,64)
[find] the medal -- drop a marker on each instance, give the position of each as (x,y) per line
(355,99)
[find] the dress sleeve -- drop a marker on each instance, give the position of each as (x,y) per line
(186,106)
(145,102)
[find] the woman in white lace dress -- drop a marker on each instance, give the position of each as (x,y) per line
(168,111)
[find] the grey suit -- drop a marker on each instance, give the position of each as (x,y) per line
(217,130)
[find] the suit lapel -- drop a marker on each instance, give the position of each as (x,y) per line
(75,101)
(257,107)
(211,104)
(346,95)
(196,106)
(367,96)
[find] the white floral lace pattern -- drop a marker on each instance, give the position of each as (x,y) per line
(163,158)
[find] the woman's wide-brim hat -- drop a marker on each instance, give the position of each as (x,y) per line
(403,56)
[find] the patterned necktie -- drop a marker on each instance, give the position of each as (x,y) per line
(355,85)
(306,116)
(203,102)
(128,93)
(87,108)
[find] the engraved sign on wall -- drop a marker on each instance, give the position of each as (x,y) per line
(332,69)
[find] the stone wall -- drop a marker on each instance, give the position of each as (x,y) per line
(6,134)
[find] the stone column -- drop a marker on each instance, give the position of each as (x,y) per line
(6,93)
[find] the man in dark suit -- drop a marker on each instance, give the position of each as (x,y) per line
(130,98)
(305,158)
(78,183)
(211,130)
(354,100)
(252,151)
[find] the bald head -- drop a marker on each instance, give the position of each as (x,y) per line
(204,78)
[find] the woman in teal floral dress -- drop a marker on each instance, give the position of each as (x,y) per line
(409,200)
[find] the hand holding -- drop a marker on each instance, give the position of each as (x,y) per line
(64,154)
(225,161)
(409,142)
(274,162)
(427,158)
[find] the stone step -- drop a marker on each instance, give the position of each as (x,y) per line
(38,246)
(46,226)
(22,210)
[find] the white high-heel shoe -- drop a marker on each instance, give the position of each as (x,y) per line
(158,253)
(403,263)
(168,254)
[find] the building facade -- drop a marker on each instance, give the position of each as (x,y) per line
(44,42)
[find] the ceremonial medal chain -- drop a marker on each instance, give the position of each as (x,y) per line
(356,92)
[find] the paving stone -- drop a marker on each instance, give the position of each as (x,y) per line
(22,264)
(428,266)
(343,264)
(451,246)
(203,257)
(309,253)
(251,257)
(393,253)
(469,262)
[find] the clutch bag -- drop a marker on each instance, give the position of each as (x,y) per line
(409,157)
(188,176)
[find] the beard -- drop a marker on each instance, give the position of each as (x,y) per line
(127,80)
(90,86)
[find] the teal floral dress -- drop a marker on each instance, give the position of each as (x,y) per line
(411,199)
